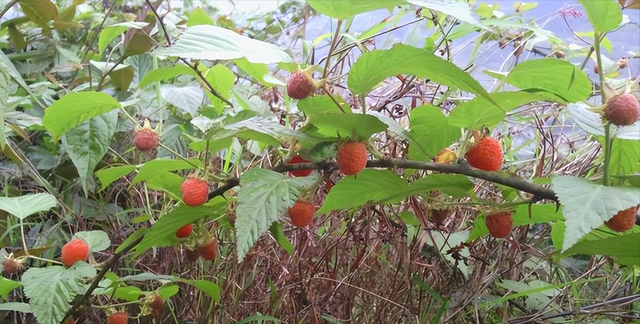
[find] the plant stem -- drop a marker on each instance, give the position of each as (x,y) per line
(608,140)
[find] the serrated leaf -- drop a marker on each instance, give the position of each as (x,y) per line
(558,77)
(367,186)
(624,248)
(74,109)
(625,157)
(97,240)
(87,143)
(342,9)
(204,42)
(374,66)
(163,74)
(199,17)
(6,286)
(188,99)
(5,81)
(26,205)
(108,175)
(163,232)
(246,125)
(41,12)
(540,214)
(603,15)
(263,197)
(149,169)
(51,289)
(429,127)
(588,205)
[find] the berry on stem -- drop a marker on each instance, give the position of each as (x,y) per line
(486,155)
(352,157)
(118,318)
(301,213)
(74,251)
(301,84)
(623,220)
(146,138)
(184,231)
(499,224)
(209,250)
(301,172)
(12,265)
(622,110)
(195,192)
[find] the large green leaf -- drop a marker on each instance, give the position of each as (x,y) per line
(249,126)
(163,74)
(151,168)
(88,142)
(373,67)
(625,157)
(540,214)
(625,248)
(75,108)
(339,125)
(558,77)
(604,15)
(51,289)
(222,79)
(204,42)
(6,286)
(370,185)
(588,205)
(429,127)
(115,30)
(263,197)
(26,205)
(455,185)
(108,175)
(5,80)
(97,240)
(41,12)
(342,9)
(15,306)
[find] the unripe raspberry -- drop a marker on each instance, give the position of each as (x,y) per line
(622,110)
(146,138)
(301,84)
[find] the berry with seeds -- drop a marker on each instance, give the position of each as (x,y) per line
(192,255)
(301,84)
(301,172)
(184,231)
(499,224)
(146,138)
(623,220)
(301,213)
(118,318)
(352,157)
(195,192)
(74,251)
(156,303)
(622,110)
(486,155)
(209,250)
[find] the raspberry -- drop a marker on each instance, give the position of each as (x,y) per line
(184,231)
(623,220)
(622,110)
(352,157)
(118,318)
(439,215)
(499,224)
(195,192)
(12,265)
(156,303)
(486,155)
(75,250)
(146,138)
(301,84)
(301,213)
(69,320)
(209,250)
(192,255)
(301,172)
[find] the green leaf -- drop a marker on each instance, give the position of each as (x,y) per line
(342,9)
(625,157)
(259,71)
(205,42)
(41,12)
(6,286)
(122,76)
(374,66)
(222,79)
(277,230)
(588,205)
(558,77)
(199,17)
(367,186)
(163,232)
(151,168)
(455,185)
(322,104)
(13,306)
(27,205)
(138,43)
(589,121)
(163,74)
(540,214)
(108,175)
(113,31)
(247,125)
(339,125)
(263,197)
(97,240)
(460,10)
(445,241)
(5,81)
(75,108)
(429,127)
(87,144)
(624,248)
(604,15)
(51,289)
(208,287)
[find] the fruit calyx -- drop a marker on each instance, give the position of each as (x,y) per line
(301,84)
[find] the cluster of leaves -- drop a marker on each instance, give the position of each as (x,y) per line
(212,91)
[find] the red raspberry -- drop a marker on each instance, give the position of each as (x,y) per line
(301,84)
(622,110)
(499,224)
(156,303)
(301,172)
(352,157)
(75,250)
(486,155)
(146,138)
(301,213)
(209,250)
(118,318)
(184,231)
(623,220)
(195,192)
(192,255)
